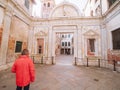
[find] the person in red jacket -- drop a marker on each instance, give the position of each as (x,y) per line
(24,69)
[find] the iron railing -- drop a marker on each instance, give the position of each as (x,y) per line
(39,59)
(111,64)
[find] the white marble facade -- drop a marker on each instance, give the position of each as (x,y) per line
(60,20)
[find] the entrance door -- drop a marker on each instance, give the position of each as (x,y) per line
(62,51)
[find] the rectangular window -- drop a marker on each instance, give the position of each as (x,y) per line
(40,49)
(62,43)
(27,4)
(92,46)
(68,43)
(18,47)
(111,2)
(40,45)
(116,39)
(62,36)
(65,43)
(68,35)
(96,1)
(48,4)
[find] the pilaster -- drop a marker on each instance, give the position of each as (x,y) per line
(5,36)
(30,39)
(80,50)
(79,41)
(104,39)
(49,61)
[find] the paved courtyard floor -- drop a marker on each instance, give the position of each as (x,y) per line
(65,76)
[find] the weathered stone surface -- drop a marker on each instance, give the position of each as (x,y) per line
(65,76)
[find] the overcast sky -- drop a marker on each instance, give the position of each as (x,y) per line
(79,3)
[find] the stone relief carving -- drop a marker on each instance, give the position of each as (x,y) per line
(98,11)
(91,34)
(41,33)
(65,10)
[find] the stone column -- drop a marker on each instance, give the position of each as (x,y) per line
(5,36)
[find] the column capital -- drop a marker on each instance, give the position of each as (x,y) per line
(79,27)
(31,27)
(103,26)
(9,11)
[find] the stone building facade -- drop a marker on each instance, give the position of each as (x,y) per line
(92,34)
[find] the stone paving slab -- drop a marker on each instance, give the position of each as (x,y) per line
(65,76)
(62,77)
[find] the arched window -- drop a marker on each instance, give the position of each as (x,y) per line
(96,1)
(111,2)
(62,43)
(44,4)
(68,43)
(48,4)
(68,35)
(98,10)
(65,43)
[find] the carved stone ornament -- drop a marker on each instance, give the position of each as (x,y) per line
(91,34)
(41,33)
(65,10)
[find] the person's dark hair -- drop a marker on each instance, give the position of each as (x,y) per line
(25,52)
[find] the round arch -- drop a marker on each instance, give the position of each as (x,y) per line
(65,9)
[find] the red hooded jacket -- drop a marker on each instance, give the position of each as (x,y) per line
(24,69)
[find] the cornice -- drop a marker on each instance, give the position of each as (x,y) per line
(2,5)
(23,10)
(94,22)
(66,18)
(117,3)
(112,12)
(8,11)
(15,7)
(19,7)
